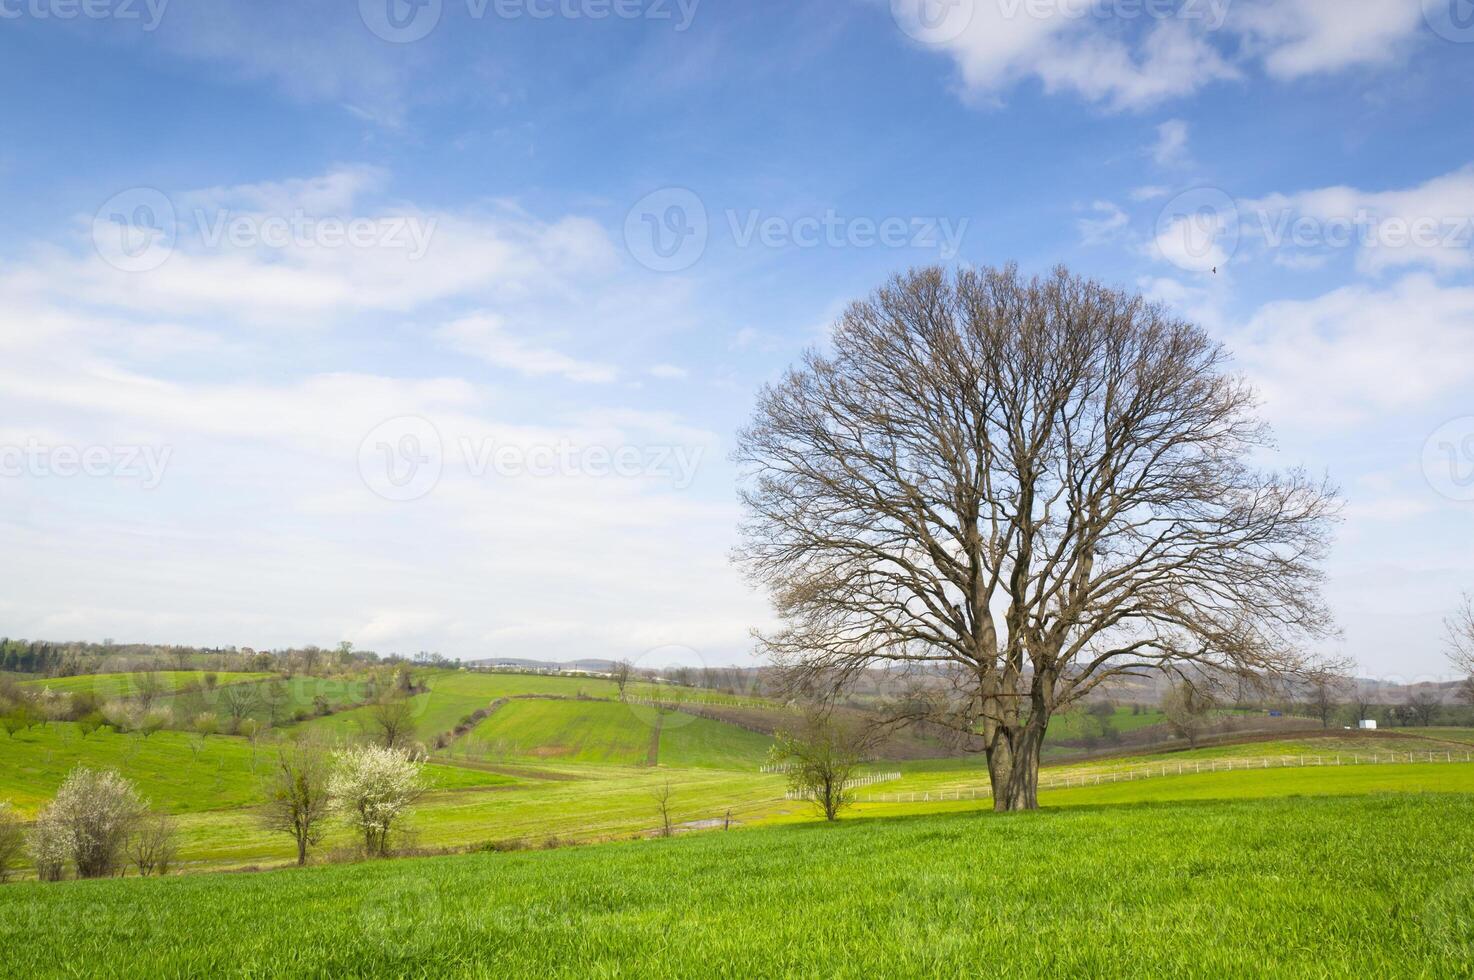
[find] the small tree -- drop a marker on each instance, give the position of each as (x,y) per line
(89,723)
(374,787)
(239,700)
(621,675)
(1423,708)
(88,823)
(11,839)
(121,715)
(1327,692)
(822,756)
(297,801)
(391,721)
(154,844)
(148,685)
(1188,706)
(661,795)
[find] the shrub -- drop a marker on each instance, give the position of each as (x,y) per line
(373,788)
(88,823)
(11,839)
(89,723)
(49,848)
(154,845)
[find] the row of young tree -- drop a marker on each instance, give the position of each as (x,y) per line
(245,708)
(98,825)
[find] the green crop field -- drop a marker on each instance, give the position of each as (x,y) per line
(131,685)
(177,772)
(572,731)
(686,740)
(1371,886)
(455,695)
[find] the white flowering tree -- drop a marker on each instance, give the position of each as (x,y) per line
(88,824)
(374,788)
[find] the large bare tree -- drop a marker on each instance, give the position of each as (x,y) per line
(1025,487)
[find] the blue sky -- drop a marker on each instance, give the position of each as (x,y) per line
(308,334)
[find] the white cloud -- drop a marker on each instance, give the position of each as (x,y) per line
(1345,357)
(1170,150)
(1107,227)
(308,254)
(485,336)
(1431,224)
(669,372)
(1136,62)
(1296,38)
(265,530)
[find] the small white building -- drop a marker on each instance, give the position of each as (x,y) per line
(1367,724)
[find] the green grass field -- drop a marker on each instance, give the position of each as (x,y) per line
(454,695)
(571,731)
(106,686)
(686,740)
(1368,886)
(177,772)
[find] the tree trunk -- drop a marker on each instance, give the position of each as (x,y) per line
(1013,769)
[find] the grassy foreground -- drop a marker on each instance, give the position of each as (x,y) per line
(1373,886)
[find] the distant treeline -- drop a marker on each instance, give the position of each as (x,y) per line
(52,659)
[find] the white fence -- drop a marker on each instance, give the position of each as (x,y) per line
(856,783)
(1186,768)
